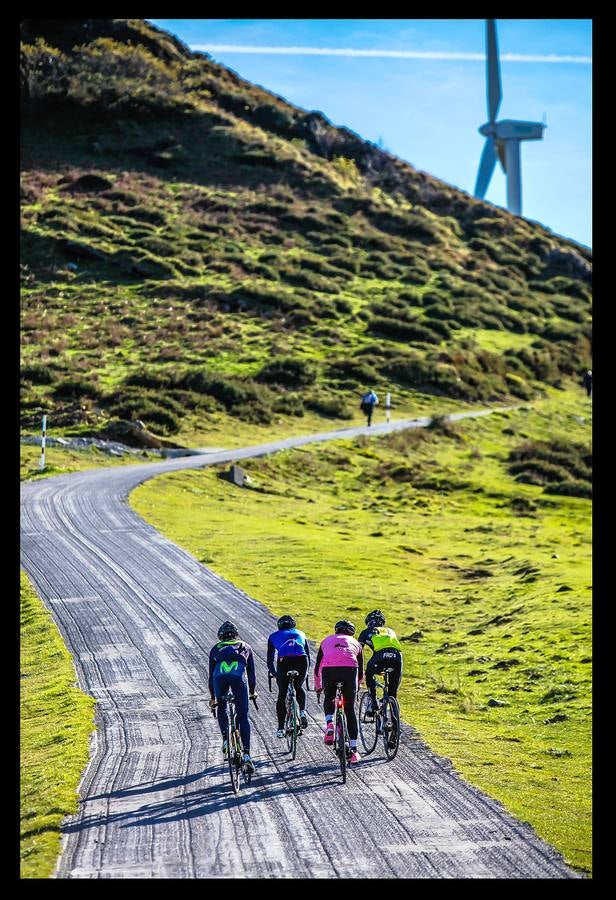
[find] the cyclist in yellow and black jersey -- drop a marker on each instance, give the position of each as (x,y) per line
(386,653)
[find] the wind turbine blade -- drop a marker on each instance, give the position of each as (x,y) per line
(486,167)
(492,70)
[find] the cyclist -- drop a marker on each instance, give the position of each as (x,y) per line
(291,646)
(229,659)
(340,658)
(386,653)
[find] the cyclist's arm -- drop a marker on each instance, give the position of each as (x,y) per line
(360,666)
(210,680)
(364,637)
(270,658)
(250,671)
(317,666)
(306,650)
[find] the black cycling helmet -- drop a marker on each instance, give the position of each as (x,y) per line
(344,627)
(227,630)
(286,622)
(375,617)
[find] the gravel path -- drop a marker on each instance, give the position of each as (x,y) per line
(139,616)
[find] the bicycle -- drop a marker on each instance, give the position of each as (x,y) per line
(385,720)
(342,746)
(235,755)
(292,723)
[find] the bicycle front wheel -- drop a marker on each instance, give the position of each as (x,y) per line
(233,758)
(291,729)
(246,774)
(391,727)
(341,745)
(367,727)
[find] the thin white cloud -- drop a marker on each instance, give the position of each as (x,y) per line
(392,54)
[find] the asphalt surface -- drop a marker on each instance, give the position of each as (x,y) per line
(139,616)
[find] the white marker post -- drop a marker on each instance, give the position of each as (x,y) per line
(387,407)
(42,461)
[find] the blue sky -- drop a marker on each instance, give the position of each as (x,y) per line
(425,100)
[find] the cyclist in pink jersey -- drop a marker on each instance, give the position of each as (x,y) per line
(340,658)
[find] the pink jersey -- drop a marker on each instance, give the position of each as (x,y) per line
(336,650)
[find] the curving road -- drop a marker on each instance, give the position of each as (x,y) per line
(139,616)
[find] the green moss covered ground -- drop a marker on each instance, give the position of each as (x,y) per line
(486,579)
(56,721)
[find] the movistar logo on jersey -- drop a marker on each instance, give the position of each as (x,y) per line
(228,667)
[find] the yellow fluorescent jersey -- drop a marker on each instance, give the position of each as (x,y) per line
(381,638)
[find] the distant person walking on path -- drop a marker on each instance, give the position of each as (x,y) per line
(368,402)
(588,381)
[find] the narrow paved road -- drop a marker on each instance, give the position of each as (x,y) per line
(139,616)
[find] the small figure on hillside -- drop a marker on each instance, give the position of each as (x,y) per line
(588,381)
(368,402)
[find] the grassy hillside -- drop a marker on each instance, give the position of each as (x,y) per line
(483,569)
(196,251)
(201,256)
(56,721)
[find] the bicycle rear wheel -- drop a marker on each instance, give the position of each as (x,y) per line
(367,727)
(246,774)
(391,729)
(291,729)
(233,758)
(341,744)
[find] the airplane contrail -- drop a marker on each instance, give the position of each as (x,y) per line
(392,54)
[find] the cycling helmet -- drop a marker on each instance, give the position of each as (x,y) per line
(227,630)
(344,627)
(286,622)
(375,617)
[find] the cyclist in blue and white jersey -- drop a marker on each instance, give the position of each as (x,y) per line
(229,659)
(292,650)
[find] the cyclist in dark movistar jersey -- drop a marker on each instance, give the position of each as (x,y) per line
(291,647)
(229,659)
(386,653)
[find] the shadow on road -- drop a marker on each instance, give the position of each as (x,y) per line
(207,800)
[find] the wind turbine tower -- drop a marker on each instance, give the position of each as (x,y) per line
(502,138)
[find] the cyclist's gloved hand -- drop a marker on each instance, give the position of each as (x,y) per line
(213,702)
(254,696)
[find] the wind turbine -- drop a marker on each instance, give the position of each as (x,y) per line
(502,138)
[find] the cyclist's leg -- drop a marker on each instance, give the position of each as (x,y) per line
(395,662)
(301,664)
(328,681)
(221,686)
(240,692)
(329,677)
(281,681)
(350,687)
(371,670)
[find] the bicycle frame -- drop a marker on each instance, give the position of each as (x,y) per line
(342,747)
(234,743)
